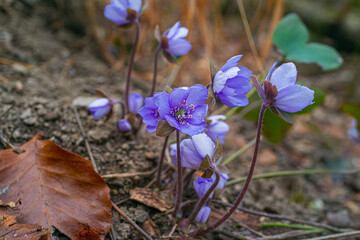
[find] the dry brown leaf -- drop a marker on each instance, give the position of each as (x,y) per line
(151,228)
(149,198)
(24,231)
(56,188)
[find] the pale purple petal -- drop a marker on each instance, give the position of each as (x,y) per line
(99,108)
(221,78)
(163,102)
(178,47)
(232,62)
(135,5)
(150,128)
(203,214)
(190,158)
(123,4)
(198,94)
(201,185)
(136,100)
(116,14)
(172,121)
(230,98)
(172,31)
(198,115)
(294,98)
(218,128)
(284,76)
(173,153)
(124,125)
(203,144)
(181,33)
(214,118)
(177,96)
(222,181)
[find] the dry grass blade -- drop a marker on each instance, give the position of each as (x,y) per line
(57,188)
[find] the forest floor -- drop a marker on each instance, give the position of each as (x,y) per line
(63,70)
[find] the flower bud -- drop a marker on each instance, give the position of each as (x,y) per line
(124,125)
(203,214)
(100,108)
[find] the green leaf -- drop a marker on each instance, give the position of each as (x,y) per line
(291,37)
(290,33)
(352,109)
(274,128)
(326,57)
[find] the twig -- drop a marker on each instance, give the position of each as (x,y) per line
(126,175)
(241,224)
(230,234)
(280,217)
(249,35)
(345,235)
(129,220)
(14,148)
(85,137)
(291,234)
(295,173)
(173,230)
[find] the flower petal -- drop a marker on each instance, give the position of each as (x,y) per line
(136,100)
(232,62)
(173,122)
(198,94)
(172,31)
(198,115)
(203,144)
(178,47)
(217,117)
(116,14)
(150,128)
(177,96)
(221,78)
(203,214)
(230,98)
(190,157)
(218,129)
(193,129)
(284,76)
(163,101)
(294,98)
(181,33)
(135,5)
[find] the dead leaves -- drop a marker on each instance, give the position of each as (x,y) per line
(56,188)
(149,198)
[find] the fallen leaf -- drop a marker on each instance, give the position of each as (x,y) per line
(24,231)
(149,198)
(150,227)
(56,188)
(8,214)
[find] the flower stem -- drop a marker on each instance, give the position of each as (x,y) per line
(248,179)
(179,188)
(130,67)
(155,72)
(161,159)
(202,201)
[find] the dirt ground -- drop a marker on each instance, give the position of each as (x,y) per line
(63,66)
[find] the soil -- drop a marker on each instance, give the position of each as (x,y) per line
(63,69)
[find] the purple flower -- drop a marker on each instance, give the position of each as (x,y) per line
(123,11)
(173,41)
(124,125)
(231,83)
(202,185)
(287,96)
(136,100)
(194,150)
(173,153)
(203,214)
(185,109)
(100,108)
(217,128)
(150,112)
(353,132)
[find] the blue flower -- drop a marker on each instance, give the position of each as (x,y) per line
(202,185)
(124,125)
(173,41)
(150,112)
(194,150)
(217,128)
(100,108)
(185,109)
(353,132)
(231,83)
(203,214)
(123,11)
(136,100)
(287,96)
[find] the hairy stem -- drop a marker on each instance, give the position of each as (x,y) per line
(248,179)
(130,67)
(202,201)
(179,188)
(155,72)
(161,159)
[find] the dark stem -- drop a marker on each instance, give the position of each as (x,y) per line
(247,182)
(187,179)
(161,160)
(130,67)
(179,188)
(202,201)
(155,72)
